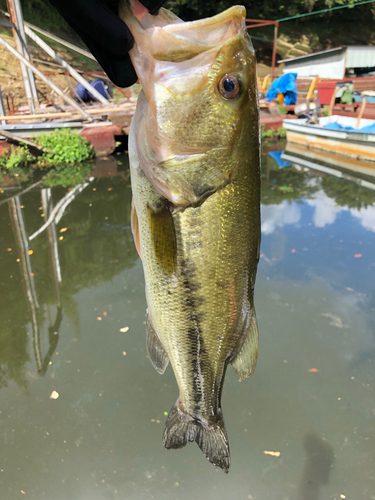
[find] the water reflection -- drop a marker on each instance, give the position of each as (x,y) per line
(55,242)
(102,437)
(317,467)
(328,196)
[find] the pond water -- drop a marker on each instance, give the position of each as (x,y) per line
(72,320)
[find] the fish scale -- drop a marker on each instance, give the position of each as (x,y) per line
(196,216)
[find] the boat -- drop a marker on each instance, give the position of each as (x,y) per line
(343,135)
(353,170)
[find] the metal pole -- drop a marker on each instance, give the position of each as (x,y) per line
(15,12)
(61,41)
(25,51)
(49,82)
(2,109)
(274,49)
(65,65)
(55,38)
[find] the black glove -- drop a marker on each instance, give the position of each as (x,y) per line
(105,34)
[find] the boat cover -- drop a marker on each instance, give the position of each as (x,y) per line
(369,129)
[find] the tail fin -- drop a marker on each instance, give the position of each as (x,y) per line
(211,439)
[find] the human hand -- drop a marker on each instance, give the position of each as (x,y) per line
(105,34)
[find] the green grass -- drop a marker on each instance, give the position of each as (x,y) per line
(63,149)
(64,146)
(271,133)
(15,157)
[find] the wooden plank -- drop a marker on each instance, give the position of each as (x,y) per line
(15,139)
(96,111)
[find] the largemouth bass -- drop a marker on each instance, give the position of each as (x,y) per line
(195,174)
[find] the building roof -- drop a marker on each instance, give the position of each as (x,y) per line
(332,63)
(358,56)
(312,54)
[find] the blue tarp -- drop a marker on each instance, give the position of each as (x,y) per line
(337,126)
(286,85)
(276,155)
(369,129)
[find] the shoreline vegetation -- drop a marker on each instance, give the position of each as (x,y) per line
(311,33)
(59,147)
(66,156)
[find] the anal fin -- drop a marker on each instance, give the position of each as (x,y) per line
(245,361)
(158,356)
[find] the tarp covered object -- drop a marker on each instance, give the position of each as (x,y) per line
(286,85)
(82,94)
(369,129)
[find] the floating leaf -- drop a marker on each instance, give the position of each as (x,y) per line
(54,395)
(293,250)
(63,229)
(30,252)
(357,255)
(125,329)
(9,249)
(99,318)
(272,453)
(313,370)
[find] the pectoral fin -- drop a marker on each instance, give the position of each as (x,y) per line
(158,356)
(163,238)
(135,229)
(245,361)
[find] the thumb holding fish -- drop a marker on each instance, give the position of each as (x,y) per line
(105,34)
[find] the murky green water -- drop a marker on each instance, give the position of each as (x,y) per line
(72,320)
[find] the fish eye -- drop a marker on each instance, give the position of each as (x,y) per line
(229,86)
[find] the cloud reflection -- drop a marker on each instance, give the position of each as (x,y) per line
(274,216)
(326,212)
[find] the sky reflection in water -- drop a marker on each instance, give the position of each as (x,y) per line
(101,439)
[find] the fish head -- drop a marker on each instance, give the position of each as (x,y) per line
(200,93)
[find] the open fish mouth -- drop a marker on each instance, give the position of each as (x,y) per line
(168,38)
